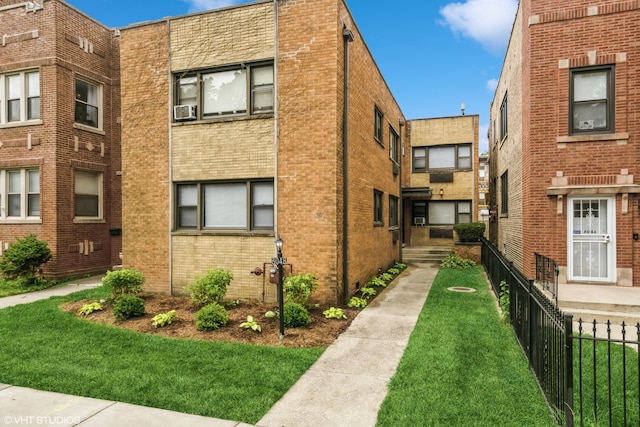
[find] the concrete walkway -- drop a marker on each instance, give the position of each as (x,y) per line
(346,385)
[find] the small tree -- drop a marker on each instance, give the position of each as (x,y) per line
(24,260)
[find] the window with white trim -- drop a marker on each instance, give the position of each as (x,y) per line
(20,97)
(19,194)
(230,91)
(394,145)
(88,194)
(239,205)
(88,109)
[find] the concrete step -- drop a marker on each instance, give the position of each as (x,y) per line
(425,254)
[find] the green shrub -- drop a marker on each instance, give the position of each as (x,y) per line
(334,313)
(376,281)
(123,282)
(211,288)
(128,306)
(400,266)
(359,303)
(470,232)
(295,315)
(24,259)
(164,319)
(503,300)
(251,324)
(299,288)
(368,292)
(453,261)
(211,317)
(89,308)
(393,271)
(387,277)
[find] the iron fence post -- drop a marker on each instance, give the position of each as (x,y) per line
(568,374)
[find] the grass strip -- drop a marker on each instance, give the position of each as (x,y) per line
(47,349)
(462,365)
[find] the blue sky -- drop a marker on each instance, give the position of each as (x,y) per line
(434,54)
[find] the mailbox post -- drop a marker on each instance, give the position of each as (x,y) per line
(280,261)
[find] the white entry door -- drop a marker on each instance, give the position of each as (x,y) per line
(591,246)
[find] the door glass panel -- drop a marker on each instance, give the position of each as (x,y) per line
(591,242)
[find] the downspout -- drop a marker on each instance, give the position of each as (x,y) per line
(276,142)
(347,37)
(171,188)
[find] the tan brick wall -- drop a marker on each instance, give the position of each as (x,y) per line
(229,36)
(145,153)
(506,154)
(49,40)
(239,150)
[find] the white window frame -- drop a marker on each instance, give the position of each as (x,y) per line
(99,104)
(25,192)
(91,219)
(23,98)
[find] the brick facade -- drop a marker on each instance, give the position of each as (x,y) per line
(561,167)
(61,44)
(299,147)
(459,185)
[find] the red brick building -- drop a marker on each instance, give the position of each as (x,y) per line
(564,141)
(251,122)
(60,135)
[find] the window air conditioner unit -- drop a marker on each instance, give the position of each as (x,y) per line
(419,221)
(184,112)
(396,168)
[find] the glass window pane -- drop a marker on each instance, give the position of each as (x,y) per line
(225,205)
(33,84)
(442,158)
(262,203)
(33,207)
(87,183)
(14,205)
(34,181)
(224,92)
(442,212)
(187,216)
(187,91)
(464,218)
(263,216)
(590,116)
(590,86)
(13,113)
(187,195)
(464,207)
(14,87)
(262,76)
(14,181)
(33,108)
(86,92)
(86,205)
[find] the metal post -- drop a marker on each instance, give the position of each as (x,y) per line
(280,296)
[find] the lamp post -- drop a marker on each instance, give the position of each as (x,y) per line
(279,261)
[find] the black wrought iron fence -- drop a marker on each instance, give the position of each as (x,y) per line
(547,275)
(600,360)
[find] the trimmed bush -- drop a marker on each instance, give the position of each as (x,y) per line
(128,306)
(24,259)
(211,288)
(299,288)
(471,232)
(455,262)
(123,282)
(211,317)
(295,315)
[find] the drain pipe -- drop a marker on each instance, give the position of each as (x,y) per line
(347,36)
(401,203)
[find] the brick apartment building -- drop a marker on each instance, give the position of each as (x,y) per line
(442,189)
(255,121)
(59,135)
(564,141)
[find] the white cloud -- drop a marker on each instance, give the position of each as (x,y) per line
(492,84)
(200,5)
(487,21)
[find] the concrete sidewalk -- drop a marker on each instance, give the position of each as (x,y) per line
(346,385)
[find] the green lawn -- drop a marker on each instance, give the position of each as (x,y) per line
(13,287)
(462,366)
(47,349)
